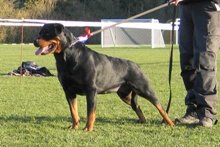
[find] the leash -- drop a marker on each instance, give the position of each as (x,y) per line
(171,59)
(84,37)
(130,18)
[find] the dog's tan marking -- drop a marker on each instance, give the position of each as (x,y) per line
(90,121)
(43,43)
(140,115)
(164,115)
(127,99)
(74,113)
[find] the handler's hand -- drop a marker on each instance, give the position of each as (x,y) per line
(175,2)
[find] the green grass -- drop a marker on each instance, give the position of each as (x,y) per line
(34,111)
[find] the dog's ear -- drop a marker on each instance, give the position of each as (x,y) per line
(58,28)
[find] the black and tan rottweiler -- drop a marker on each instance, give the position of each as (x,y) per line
(85,72)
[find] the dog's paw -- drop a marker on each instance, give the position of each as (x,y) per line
(87,129)
(74,126)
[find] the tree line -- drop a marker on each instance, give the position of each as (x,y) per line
(83,10)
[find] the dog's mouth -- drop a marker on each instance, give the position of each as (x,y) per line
(46,50)
(46,47)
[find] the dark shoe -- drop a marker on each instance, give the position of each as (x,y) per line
(187,119)
(207,122)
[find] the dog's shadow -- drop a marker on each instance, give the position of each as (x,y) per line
(37,119)
(48,119)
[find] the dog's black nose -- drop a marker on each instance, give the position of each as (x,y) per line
(36,42)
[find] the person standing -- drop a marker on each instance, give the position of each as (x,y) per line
(199,42)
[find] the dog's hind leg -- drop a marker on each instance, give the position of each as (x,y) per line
(130,98)
(164,114)
(137,108)
(150,95)
(125,97)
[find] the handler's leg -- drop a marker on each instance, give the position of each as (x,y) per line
(206,43)
(188,71)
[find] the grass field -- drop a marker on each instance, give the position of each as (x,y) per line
(34,111)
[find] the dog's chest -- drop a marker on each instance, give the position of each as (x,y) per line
(71,82)
(65,63)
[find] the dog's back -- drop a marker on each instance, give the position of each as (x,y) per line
(79,63)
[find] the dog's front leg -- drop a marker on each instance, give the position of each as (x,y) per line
(74,113)
(91,110)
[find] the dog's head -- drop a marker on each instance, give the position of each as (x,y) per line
(53,38)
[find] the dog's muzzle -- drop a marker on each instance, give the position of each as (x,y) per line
(36,44)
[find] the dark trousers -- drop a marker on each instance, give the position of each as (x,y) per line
(199,37)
